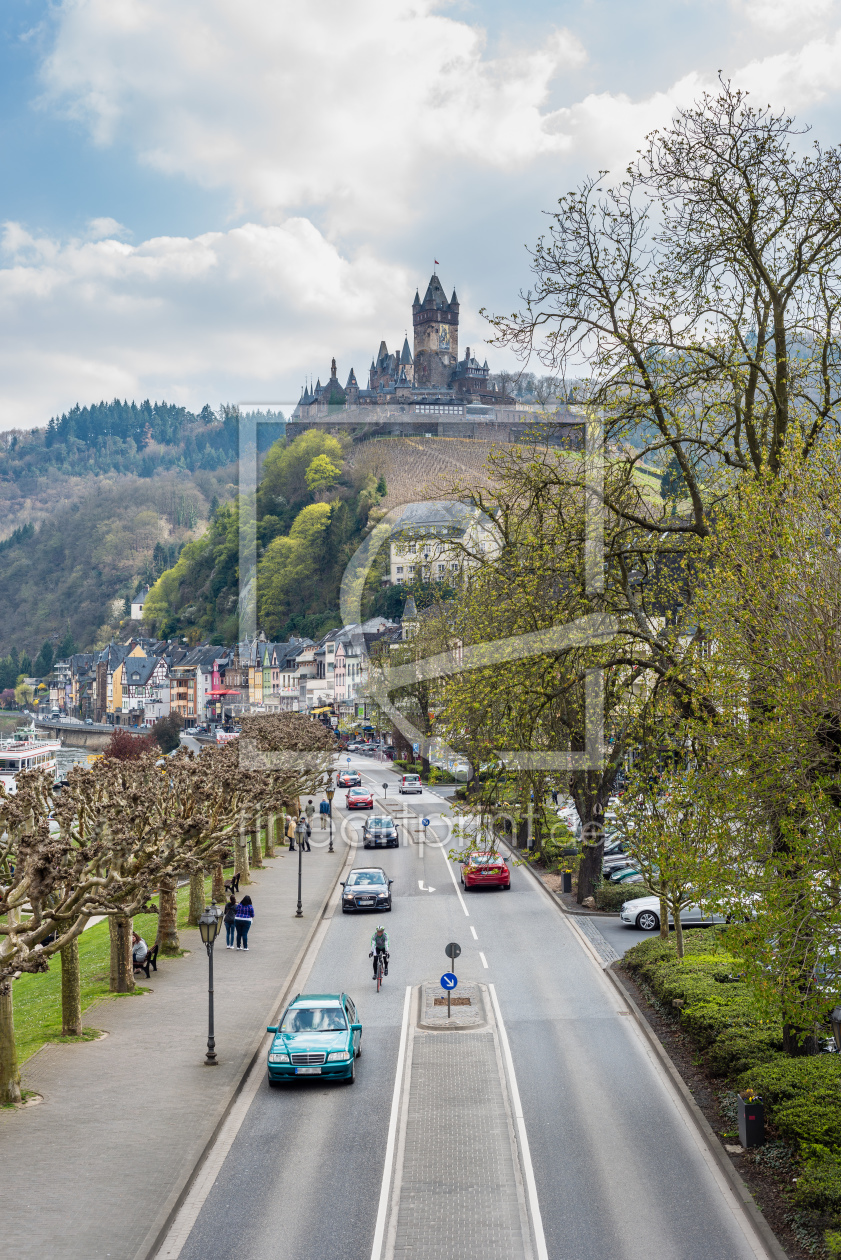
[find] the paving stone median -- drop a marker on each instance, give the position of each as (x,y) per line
(90,1171)
(460,1188)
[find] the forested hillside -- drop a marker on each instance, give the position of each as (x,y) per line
(78,567)
(311,515)
(41,469)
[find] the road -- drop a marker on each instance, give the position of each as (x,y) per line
(620,1173)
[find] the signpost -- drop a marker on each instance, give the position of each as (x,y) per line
(449,980)
(424,824)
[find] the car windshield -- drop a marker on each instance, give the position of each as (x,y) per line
(358,791)
(377,824)
(486,859)
(314,1019)
(366,877)
(411,778)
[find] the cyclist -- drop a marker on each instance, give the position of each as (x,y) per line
(380,945)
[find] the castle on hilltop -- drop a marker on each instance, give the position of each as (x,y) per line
(432,377)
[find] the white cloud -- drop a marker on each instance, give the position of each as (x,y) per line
(350,104)
(223,316)
(776,16)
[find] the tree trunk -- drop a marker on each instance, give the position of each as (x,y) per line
(168,942)
(218,890)
(241,859)
(795,1042)
(9,1073)
(664,915)
(590,866)
(256,851)
(122,972)
(271,834)
(196,898)
(71,990)
(678,932)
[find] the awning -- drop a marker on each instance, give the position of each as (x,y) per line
(223,691)
(325,708)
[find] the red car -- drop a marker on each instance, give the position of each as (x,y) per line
(359,798)
(485,870)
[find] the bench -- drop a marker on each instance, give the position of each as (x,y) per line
(151,960)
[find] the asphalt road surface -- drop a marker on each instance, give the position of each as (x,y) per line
(620,1173)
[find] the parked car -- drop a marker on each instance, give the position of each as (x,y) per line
(644,913)
(354,747)
(366,888)
(359,798)
(410,783)
(349,778)
(485,870)
(320,1034)
(380,831)
(88,721)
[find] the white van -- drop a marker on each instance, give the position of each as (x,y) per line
(411,783)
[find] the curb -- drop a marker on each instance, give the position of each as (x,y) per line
(157,1234)
(746,1201)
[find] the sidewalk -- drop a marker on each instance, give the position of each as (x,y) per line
(92,1171)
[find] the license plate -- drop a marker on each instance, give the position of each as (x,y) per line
(307,1071)
(366,901)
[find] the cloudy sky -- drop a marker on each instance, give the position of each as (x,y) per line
(203,200)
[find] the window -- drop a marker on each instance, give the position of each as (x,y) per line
(442,568)
(400,568)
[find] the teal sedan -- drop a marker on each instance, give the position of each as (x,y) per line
(319,1035)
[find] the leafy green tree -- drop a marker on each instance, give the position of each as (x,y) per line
(321,475)
(285,468)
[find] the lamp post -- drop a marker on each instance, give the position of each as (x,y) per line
(300,832)
(209,921)
(330,793)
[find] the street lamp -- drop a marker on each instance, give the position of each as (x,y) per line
(300,832)
(209,921)
(835,1020)
(330,793)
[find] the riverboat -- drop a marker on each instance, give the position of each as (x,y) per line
(24,750)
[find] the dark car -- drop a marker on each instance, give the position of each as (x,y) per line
(349,778)
(380,831)
(359,798)
(366,888)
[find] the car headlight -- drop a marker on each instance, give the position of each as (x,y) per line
(338,1056)
(278,1058)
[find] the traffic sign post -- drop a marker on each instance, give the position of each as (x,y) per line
(424,824)
(448,980)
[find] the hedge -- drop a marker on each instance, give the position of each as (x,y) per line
(724,1018)
(614,896)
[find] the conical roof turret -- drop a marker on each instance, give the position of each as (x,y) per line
(406,354)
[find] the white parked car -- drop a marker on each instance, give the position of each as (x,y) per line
(644,913)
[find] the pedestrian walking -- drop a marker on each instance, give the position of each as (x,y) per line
(304,833)
(290,833)
(309,811)
(324,811)
(228,919)
(243,920)
(554,796)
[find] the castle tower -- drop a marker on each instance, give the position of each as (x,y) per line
(435,322)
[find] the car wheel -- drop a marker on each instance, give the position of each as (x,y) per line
(359,1049)
(648,921)
(274,1084)
(506,887)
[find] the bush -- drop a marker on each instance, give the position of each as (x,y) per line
(802,1098)
(613,896)
(718,1010)
(819,1185)
(126,747)
(410,767)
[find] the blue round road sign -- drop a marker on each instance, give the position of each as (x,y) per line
(448,980)
(424,822)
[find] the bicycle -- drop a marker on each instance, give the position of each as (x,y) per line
(381,959)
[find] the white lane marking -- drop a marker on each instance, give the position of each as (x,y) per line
(382,1210)
(483,958)
(421,887)
(528,1170)
(191,1207)
(455,885)
(473,930)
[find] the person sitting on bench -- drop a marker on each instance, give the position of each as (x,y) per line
(139,950)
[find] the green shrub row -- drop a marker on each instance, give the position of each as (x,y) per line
(614,896)
(724,1018)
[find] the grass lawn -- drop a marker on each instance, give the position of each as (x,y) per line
(37,998)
